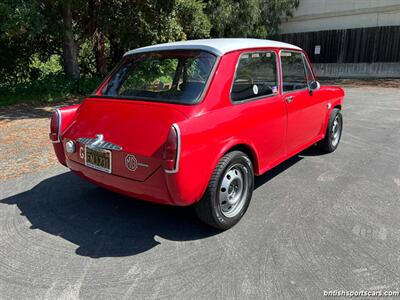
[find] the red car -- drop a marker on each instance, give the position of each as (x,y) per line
(193,122)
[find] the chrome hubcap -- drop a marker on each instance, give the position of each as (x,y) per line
(336,131)
(233,190)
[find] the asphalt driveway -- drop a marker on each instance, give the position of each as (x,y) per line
(316,223)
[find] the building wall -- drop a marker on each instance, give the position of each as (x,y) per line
(315,15)
(354,38)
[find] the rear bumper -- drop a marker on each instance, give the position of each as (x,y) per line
(154,189)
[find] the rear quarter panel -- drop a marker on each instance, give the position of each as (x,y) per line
(205,139)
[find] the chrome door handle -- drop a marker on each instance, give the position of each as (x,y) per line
(289,99)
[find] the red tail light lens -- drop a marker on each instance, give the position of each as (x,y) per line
(171,150)
(55,124)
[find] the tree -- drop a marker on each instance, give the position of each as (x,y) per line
(153,21)
(70,45)
(248,18)
(193,19)
(22,34)
(92,35)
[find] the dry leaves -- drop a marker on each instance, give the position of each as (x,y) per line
(24,139)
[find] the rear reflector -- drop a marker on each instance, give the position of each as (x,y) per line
(172,150)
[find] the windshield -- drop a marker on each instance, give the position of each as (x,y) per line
(168,76)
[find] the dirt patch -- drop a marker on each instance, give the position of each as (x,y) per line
(24,139)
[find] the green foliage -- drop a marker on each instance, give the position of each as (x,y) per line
(151,72)
(47,89)
(33,35)
(191,16)
(41,69)
(248,18)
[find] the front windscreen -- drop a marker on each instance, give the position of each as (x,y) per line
(166,76)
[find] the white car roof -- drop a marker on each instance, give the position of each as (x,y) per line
(217,46)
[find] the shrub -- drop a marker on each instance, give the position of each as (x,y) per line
(51,88)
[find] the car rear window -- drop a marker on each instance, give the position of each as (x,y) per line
(166,76)
(256,76)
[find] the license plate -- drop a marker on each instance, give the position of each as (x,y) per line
(98,159)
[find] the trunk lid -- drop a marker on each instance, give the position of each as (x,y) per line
(140,128)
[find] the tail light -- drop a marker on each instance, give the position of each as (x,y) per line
(172,150)
(55,125)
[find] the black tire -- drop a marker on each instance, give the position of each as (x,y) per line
(209,209)
(330,142)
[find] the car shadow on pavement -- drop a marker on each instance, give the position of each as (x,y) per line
(102,223)
(105,224)
(261,180)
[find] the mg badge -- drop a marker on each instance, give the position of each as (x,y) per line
(131,162)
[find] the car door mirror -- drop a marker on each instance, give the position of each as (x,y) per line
(314,85)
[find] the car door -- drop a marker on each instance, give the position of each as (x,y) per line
(304,108)
(256,98)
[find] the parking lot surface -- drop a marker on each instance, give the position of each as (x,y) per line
(316,223)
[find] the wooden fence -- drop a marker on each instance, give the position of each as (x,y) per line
(357,45)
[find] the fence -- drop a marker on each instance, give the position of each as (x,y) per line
(357,45)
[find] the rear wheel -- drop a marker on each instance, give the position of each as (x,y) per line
(333,132)
(228,193)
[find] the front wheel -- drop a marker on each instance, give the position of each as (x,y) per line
(228,193)
(333,132)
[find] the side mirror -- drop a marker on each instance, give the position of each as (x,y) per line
(314,85)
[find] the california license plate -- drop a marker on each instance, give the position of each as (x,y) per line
(98,159)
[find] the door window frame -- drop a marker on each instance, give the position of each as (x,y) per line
(307,64)
(304,60)
(278,74)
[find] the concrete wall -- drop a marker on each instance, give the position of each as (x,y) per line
(358,70)
(316,15)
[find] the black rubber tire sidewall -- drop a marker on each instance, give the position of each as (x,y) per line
(250,177)
(208,208)
(326,144)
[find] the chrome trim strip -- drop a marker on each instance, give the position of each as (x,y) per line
(99,143)
(178,154)
(142,165)
(58,112)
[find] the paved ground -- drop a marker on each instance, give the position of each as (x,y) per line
(318,222)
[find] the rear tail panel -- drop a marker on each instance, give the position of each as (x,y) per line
(137,129)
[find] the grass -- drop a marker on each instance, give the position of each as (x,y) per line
(52,88)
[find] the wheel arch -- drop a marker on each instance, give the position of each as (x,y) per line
(246,149)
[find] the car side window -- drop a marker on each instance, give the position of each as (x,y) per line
(293,71)
(256,76)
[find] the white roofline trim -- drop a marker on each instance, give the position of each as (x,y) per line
(216,46)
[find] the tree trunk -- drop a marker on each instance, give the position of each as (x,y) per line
(116,50)
(100,53)
(70,48)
